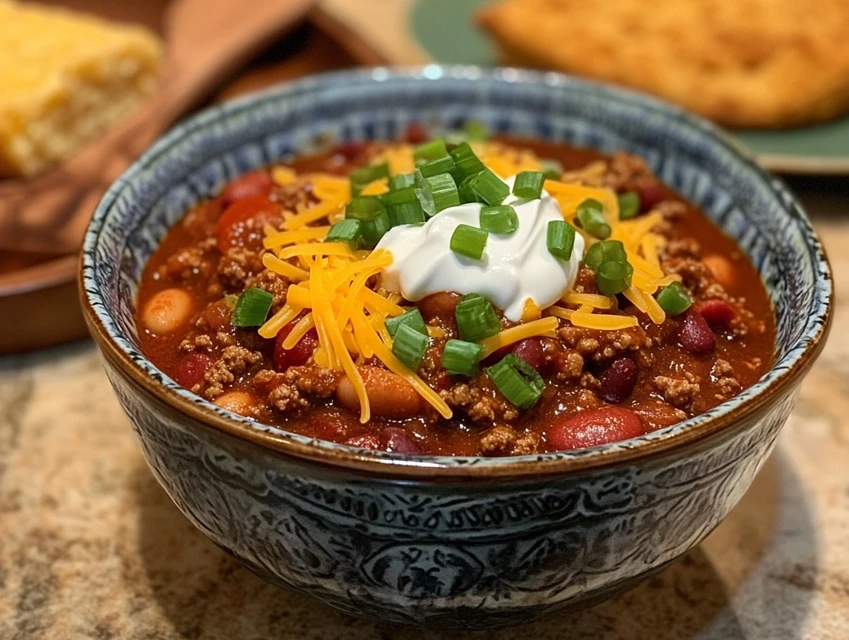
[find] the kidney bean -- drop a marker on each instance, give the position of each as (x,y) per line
(251,184)
(716,312)
(618,380)
(594,427)
(651,193)
(389,394)
(191,369)
(530,350)
(351,150)
(397,440)
(695,335)
(416,133)
(298,355)
(365,441)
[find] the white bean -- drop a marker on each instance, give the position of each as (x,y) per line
(167,311)
(239,402)
(389,395)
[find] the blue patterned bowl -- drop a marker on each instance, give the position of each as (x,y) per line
(451,541)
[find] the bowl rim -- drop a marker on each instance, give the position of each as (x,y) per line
(751,403)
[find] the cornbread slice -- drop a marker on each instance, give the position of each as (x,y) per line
(743,63)
(64,78)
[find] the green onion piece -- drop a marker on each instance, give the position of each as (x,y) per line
(469,241)
(488,187)
(434,167)
(629,205)
(251,308)
(428,151)
(476,318)
(412,318)
(444,192)
(361,177)
(591,216)
(461,358)
(560,239)
(476,130)
(424,194)
(363,207)
(613,277)
(528,184)
(609,250)
(466,163)
(405,213)
(409,346)
(501,218)
(348,230)
(375,228)
(407,194)
(401,180)
(517,381)
(674,299)
(465,191)
(551,169)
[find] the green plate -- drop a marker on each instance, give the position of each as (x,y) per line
(445,29)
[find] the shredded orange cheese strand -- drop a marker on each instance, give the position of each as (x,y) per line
(541,327)
(298,331)
(283,268)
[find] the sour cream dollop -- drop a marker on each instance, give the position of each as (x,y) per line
(515,268)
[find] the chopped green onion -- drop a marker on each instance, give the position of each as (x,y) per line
(501,218)
(366,175)
(374,220)
(488,187)
(464,190)
(476,130)
(528,184)
(560,239)
(461,358)
(409,346)
(517,381)
(405,213)
(444,192)
(251,308)
(629,205)
(466,163)
(401,180)
(407,194)
(428,151)
(375,228)
(613,277)
(469,241)
(551,169)
(348,230)
(476,318)
(591,216)
(674,299)
(412,318)
(363,207)
(434,167)
(605,251)
(424,194)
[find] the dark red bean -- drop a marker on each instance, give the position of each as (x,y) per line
(593,427)
(530,350)
(191,369)
(365,441)
(416,133)
(298,355)
(255,183)
(396,439)
(716,312)
(351,150)
(695,335)
(651,192)
(618,380)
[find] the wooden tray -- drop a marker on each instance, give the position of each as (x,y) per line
(38,295)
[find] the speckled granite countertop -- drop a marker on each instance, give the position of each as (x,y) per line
(91,547)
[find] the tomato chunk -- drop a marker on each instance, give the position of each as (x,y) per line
(191,369)
(241,224)
(298,355)
(250,184)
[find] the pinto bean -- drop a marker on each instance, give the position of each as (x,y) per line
(439,305)
(721,269)
(389,395)
(396,439)
(167,311)
(695,335)
(251,184)
(239,402)
(593,427)
(716,312)
(618,380)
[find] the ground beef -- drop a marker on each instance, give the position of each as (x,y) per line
(275,284)
(237,266)
(233,361)
(196,261)
(725,379)
(201,342)
(680,248)
(623,171)
(479,402)
(503,440)
(604,346)
(297,387)
(679,392)
(567,364)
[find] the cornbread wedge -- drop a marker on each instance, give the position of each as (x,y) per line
(64,78)
(743,63)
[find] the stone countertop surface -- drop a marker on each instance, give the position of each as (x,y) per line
(92,547)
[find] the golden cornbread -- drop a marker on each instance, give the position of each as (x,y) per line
(743,63)
(64,78)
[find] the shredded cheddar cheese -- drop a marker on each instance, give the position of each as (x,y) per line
(542,327)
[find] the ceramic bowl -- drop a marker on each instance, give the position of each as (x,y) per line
(442,541)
